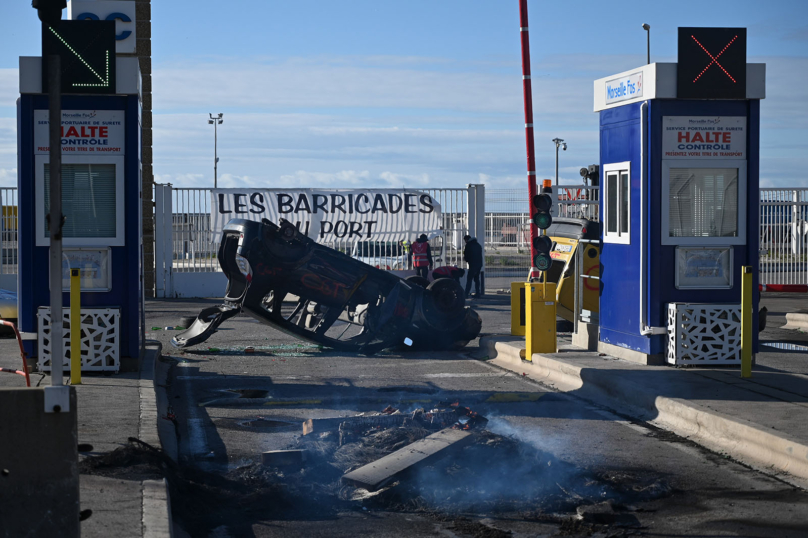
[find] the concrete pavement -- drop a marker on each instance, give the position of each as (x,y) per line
(112,408)
(759,421)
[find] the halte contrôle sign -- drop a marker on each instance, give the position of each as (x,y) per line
(84,132)
(704,137)
(334,215)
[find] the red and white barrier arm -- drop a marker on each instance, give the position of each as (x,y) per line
(791,288)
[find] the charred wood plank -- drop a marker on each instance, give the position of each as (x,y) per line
(375,475)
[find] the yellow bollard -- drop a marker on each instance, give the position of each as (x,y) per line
(746,321)
(540,319)
(517,308)
(75,327)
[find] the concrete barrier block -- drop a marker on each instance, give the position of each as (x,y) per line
(39,482)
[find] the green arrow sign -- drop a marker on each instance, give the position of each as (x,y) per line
(87,52)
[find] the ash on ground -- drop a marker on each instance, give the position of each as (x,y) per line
(491,475)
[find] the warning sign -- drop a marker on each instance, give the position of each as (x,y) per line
(704,137)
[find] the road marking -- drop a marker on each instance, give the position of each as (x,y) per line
(478,374)
(293,402)
(504,397)
(231,377)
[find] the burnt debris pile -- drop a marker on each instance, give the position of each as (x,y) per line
(443,460)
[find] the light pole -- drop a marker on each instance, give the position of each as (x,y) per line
(647,28)
(559,142)
(216,121)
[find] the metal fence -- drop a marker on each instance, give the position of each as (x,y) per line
(507,227)
(783,231)
(8,231)
(784,236)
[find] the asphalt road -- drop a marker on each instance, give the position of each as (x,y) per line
(563,454)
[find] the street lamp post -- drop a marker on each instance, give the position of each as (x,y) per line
(216,121)
(559,142)
(647,28)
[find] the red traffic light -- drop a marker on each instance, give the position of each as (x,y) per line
(543,243)
(542,202)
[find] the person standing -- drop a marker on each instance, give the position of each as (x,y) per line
(422,256)
(473,255)
(405,247)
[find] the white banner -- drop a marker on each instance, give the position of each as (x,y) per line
(84,132)
(330,215)
(704,137)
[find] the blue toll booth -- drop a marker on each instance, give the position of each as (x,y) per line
(679,162)
(101,200)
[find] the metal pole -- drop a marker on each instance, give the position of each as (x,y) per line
(527,92)
(215,154)
(648,45)
(557,164)
(55,215)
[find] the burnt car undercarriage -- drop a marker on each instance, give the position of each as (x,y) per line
(341,303)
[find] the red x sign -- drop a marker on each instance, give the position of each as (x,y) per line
(714,58)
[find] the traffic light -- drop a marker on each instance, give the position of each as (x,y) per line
(542,245)
(49,11)
(542,205)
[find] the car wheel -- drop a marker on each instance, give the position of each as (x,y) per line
(417,280)
(444,303)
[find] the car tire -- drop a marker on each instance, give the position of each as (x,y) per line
(418,280)
(444,303)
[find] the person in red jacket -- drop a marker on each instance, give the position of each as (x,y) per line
(448,271)
(422,256)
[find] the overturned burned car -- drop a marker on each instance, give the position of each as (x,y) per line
(342,303)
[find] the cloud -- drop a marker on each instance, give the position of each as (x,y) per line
(8,177)
(303,178)
(405,180)
(9,87)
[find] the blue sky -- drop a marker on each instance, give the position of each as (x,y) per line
(416,93)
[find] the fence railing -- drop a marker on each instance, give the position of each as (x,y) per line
(783,230)
(784,236)
(8,231)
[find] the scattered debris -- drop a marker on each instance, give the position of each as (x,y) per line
(283,458)
(602,513)
(375,475)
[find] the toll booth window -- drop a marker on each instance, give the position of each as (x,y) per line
(88,200)
(704,205)
(617,206)
(92,201)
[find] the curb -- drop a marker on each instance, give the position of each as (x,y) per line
(796,320)
(156,504)
(737,437)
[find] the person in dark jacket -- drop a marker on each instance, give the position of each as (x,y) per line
(422,256)
(473,255)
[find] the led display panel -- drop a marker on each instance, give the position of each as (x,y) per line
(87,51)
(712,63)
